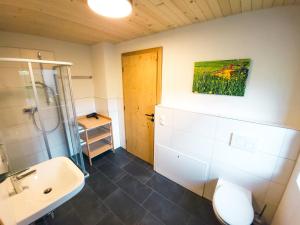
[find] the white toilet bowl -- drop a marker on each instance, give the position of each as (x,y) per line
(232,204)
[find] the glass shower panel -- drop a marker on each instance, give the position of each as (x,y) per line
(56,110)
(24,144)
(63,82)
(49,110)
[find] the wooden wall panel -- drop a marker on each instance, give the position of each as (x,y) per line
(235,6)
(74,21)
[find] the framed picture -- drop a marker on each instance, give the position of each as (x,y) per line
(225,77)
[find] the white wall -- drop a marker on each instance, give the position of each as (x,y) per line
(288,210)
(108,87)
(195,150)
(269,37)
(79,55)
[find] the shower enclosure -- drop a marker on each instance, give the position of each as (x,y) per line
(37,113)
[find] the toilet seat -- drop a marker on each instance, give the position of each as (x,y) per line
(232,204)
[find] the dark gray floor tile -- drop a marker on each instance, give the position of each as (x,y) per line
(199,207)
(64,209)
(92,213)
(124,207)
(70,218)
(120,158)
(166,187)
(61,215)
(110,219)
(85,195)
(139,172)
(150,220)
(134,188)
(166,211)
(198,221)
(46,220)
(101,185)
(90,169)
(168,202)
(112,171)
(99,161)
(122,151)
(89,207)
(142,163)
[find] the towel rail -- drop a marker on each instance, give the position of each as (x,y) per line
(82,77)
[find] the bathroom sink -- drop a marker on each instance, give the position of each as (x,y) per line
(54,182)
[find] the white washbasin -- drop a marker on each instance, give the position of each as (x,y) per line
(61,175)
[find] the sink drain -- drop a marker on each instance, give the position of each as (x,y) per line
(47,190)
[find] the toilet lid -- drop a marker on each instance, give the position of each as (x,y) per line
(233,206)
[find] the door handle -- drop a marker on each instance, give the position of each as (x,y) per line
(151,115)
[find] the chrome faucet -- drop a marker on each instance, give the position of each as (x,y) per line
(17,177)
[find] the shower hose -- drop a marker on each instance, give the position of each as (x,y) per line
(33,111)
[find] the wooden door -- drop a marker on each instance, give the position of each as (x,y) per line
(142,91)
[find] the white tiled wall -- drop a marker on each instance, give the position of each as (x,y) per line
(113,107)
(101,105)
(84,106)
(288,209)
(258,157)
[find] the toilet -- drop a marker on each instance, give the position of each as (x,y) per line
(232,204)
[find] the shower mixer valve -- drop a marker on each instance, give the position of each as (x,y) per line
(30,110)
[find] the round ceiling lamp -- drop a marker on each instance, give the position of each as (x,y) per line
(111,8)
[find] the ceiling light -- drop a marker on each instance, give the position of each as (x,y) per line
(111,8)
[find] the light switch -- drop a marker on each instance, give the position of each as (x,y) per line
(162,120)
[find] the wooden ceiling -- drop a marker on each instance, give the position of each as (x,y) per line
(72,20)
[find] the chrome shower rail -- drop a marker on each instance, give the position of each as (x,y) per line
(35,61)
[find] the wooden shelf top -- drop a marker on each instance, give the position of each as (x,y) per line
(91,123)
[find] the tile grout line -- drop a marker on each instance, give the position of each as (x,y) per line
(152,191)
(147,197)
(110,211)
(114,181)
(125,172)
(145,183)
(170,201)
(140,204)
(118,187)
(110,181)
(108,208)
(132,200)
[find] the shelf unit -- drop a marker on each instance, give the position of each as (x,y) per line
(96,135)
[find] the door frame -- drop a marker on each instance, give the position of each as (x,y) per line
(159,51)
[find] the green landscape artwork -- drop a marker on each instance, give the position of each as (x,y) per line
(226,77)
